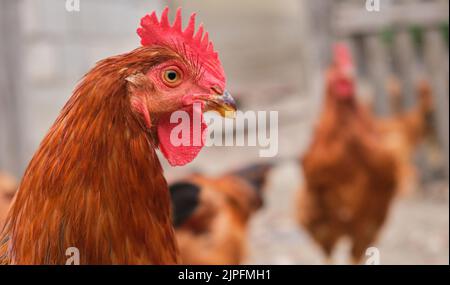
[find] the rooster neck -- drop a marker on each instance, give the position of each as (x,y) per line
(98,185)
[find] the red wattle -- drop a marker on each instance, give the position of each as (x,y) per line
(344,89)
(178,155)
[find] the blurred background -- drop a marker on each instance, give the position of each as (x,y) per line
(274,54)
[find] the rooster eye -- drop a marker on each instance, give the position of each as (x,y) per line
(172,77)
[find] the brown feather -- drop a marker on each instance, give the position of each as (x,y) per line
(95,182)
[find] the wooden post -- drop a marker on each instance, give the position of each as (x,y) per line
(379,71)
(406,55)
(435,52)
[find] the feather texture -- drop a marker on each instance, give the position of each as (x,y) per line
(95,182)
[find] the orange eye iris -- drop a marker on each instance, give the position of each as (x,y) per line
(171,77)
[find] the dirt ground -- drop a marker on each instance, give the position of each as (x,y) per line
(417,231)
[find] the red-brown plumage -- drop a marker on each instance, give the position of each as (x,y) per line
(95,182)
(8,187)
(80,190)
(350,175)
(212,224)
(406,129)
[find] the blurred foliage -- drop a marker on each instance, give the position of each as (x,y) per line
(444,30)
(417,34)
(387,36)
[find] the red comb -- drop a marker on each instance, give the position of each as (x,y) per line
(187,42)
(342,57)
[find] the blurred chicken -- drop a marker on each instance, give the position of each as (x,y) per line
(8,187)
(350,177)
(405,130)
(414,123)
(211,214)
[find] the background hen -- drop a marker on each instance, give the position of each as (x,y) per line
(406,130)
(211,214)
(350,177)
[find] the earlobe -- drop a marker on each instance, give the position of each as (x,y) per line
(138,86)
(139,106)
(138,82)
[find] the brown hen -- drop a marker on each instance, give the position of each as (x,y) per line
(211,215)
(350,176)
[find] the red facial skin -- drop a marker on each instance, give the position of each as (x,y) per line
(160,98)
(341,84)
(201,78)
(340,77)
(190,86)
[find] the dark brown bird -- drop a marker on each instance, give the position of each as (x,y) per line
(211,214)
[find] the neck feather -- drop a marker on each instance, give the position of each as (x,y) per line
(96,184)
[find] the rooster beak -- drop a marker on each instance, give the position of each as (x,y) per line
(224,104)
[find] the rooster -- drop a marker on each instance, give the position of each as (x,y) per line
(350,177)
(8,188)
(96,183)
(211,215)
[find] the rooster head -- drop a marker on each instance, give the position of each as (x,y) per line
(340,77)
(185,75)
